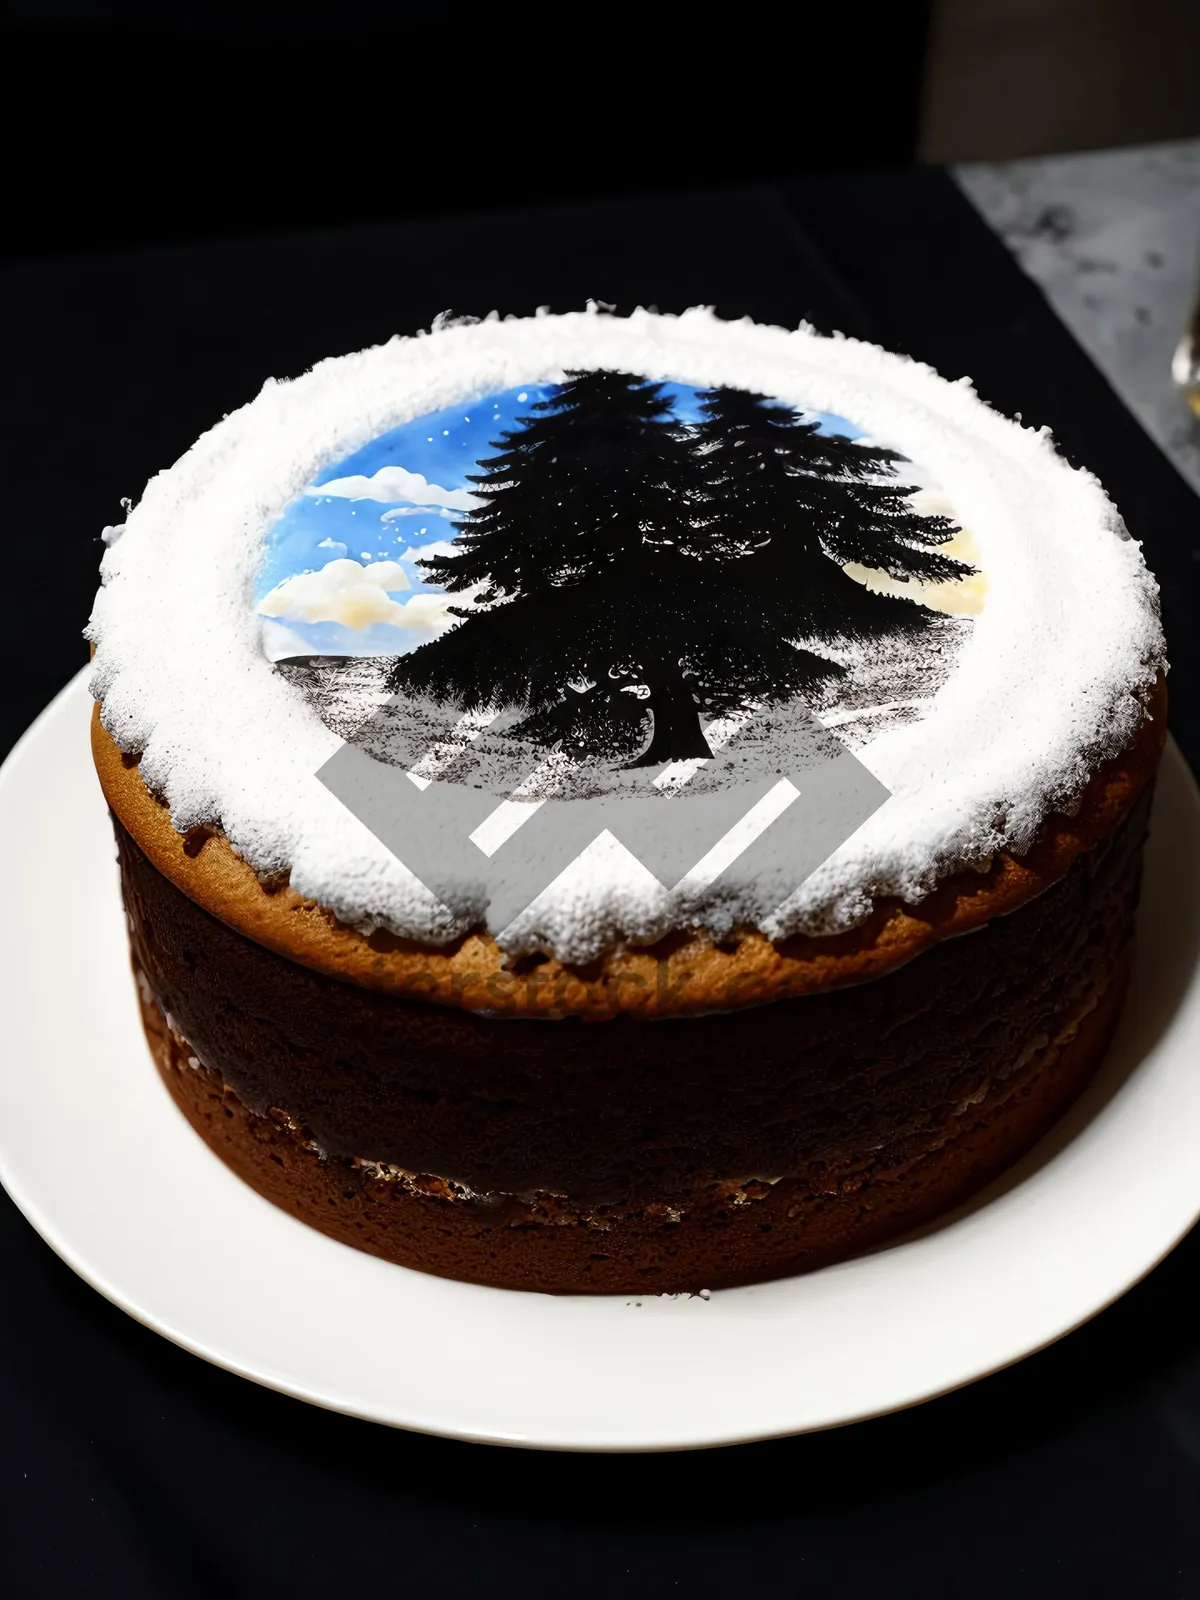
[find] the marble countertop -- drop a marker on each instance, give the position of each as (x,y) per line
(1113,239)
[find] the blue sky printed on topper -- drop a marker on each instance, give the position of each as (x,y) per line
(340,576)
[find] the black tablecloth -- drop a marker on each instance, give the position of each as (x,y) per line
(132,1468)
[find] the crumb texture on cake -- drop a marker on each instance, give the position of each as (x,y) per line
(731,1231)
(1056,678)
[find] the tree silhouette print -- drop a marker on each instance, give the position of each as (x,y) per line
(635,573)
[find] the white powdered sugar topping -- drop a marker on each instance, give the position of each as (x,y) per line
(1049,679)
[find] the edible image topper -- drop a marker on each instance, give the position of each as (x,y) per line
(615,591)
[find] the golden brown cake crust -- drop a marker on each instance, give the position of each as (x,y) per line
(680,976)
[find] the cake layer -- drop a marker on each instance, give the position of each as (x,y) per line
(728,1233)
(636,1113)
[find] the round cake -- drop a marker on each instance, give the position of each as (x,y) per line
(625,804)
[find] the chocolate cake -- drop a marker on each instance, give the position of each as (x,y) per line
(625,804)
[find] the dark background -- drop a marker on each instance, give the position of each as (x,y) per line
(222,121)
(128,120)
(204,203)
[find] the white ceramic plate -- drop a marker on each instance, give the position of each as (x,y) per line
(102,1164)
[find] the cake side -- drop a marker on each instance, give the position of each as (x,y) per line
(739,1232)
(621,1154)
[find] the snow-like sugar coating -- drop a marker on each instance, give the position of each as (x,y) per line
(1050,681)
